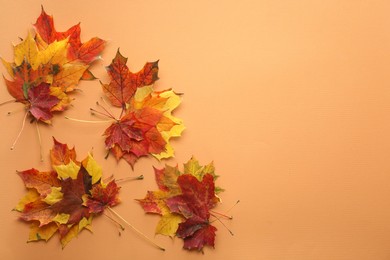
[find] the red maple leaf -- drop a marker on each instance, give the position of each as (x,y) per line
(41,102)
(72,201)
(135,135)
(85,52)
(145,124)
(55,201)
(41,181)
(197,198)
(103,197)
(61,154)
(124,83)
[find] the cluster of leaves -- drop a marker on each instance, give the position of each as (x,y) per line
(146,123)
(184,200)
(66,198)
(49,65)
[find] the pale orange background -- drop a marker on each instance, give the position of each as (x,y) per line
(291,99)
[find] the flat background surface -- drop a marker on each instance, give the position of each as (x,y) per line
(291,99)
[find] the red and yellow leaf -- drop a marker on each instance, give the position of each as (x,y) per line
(66,199)
(124,83)
(58,59)
(184,201)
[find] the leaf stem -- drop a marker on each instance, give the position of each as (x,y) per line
(217,218)
(95,112)
(8,101)
(106,110)
(238,201)
(141,177)
(21,130)
(221,214)
(136,230)
(113,220)
(88,121)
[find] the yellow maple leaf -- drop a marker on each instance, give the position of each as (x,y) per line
(61,218)
(54,196)
(55,53)
(67,170)
(31,195)
(27,51)
(64,99)
(168,224)
(41,233)
(93,168)
(165,101)
(69,76)
(72,233)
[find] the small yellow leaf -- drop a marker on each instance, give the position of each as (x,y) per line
(93,168)
(69,170)
(209,168)
(32,195)
(65,100)
(41,233)
(27,50)
(40,42)
(54,196)
(73,232)
(168,224)
(8,66)
(69,76)
(85,223)
(173,101)
(142,93)
(55,53)
(61,218)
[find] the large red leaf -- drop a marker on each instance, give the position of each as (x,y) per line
(197,198)
(85,52)
(72,201)
(135,135)
(41,102)
(124,83)
(65,198)
(102,197)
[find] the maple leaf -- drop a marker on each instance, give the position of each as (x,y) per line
(103,196)
(37,73)
(135,135)
(164,101)
(41,102)
(61,154)
(146,126)
(66,199)
(124,83)
(41,181)
(84,52)
(184,200)
(197,198)
(48,66)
